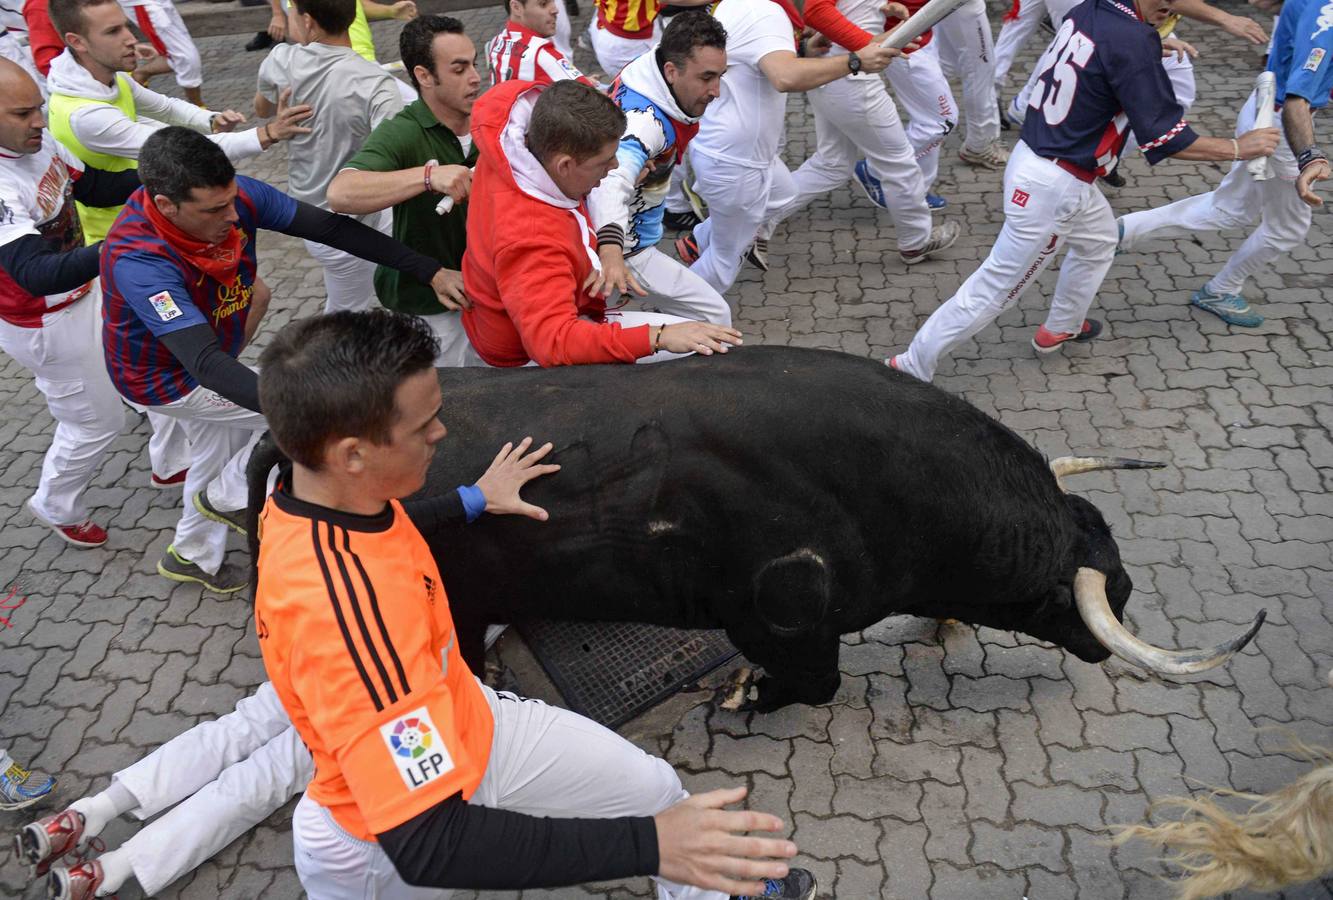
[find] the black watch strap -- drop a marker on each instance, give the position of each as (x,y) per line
(854,63)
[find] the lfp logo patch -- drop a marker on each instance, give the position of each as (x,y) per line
(416,748)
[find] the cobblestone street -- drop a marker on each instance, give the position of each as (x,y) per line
(956,762)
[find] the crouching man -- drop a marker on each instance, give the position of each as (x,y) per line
(532,251)
(424,776)
(663,94)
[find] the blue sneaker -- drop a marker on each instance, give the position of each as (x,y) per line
(935,201)
(798,885)
(20,787)
(1230,308)
(870,185)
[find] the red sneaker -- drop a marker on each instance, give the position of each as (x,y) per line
(170,481)
(1048,341)
(43,842)
(79,883)
(687,249)
(85,535)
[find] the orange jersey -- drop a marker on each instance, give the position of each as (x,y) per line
(627,18)
(357,638)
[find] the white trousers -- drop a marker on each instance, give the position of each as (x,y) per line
(1044,208)
(349,281)
(675,290)
(967,50)
(65,357)
(169,447)
(562,31)
(1238,202)
(740,199)
(545,761)
(221,435)
(455,348)
(855,118)
(216,782)
(613,51)
(166,31)
(1014,34)
(920,86)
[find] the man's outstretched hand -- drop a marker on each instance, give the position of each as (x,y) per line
(702,844)
(512,468)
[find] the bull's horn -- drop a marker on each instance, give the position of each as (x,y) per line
(1077,465)
(1090,594)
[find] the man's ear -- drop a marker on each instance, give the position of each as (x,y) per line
(422,73)
(345,456)
(75,42)
(670,72)
(164,205)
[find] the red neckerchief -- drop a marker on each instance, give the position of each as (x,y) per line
(1012,13)
(219,261)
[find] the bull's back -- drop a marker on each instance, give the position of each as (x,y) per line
(679,479)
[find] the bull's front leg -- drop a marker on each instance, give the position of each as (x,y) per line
(788,632)
(797,669)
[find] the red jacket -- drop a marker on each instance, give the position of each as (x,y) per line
(529,250)
(43,39)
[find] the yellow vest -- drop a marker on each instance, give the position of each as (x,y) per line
(60,107)
(362,41)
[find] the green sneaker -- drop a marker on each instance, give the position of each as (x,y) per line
(227,580)
(1230,308)
(232,518)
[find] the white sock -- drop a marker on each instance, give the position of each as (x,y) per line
(99,809)
(116,870)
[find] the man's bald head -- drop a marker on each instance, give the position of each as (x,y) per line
(21,116)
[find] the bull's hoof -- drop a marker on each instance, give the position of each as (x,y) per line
(736,692)
(748,691)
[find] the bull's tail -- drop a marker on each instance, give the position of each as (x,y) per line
(1284,838)
(266,455)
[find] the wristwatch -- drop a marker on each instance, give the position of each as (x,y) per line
(854,63)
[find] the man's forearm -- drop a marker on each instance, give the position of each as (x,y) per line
(1298,124)
(1199,11)
(357,193)
(794,74)
(1208,149)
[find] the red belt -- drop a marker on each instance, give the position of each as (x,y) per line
(1084,175)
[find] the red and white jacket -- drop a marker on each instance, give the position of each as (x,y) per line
(521,54)
(529,250)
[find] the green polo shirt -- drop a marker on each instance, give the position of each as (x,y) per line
(413,138)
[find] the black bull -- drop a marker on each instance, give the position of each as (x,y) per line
(788,496)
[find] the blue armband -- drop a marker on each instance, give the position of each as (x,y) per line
(474,501)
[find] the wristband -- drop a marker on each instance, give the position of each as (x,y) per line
(429,166)
(268,135)
(1235,149)
(1309,156)
(657,342)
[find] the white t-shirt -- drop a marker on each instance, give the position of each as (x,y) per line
(745,124)
(35,199)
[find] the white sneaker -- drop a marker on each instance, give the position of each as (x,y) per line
(942,237)
(992,156)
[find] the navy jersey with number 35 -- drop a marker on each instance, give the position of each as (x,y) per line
(1100,79)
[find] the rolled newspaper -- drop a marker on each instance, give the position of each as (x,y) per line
(1265,92)
(920,22)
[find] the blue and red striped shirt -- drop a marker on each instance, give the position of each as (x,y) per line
(149,290)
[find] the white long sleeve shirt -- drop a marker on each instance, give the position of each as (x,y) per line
(103,128)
